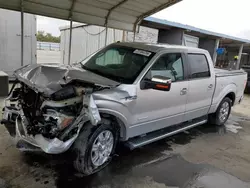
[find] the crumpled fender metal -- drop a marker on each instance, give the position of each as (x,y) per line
(118,102)
(57,146)
(54,146)
(92,112)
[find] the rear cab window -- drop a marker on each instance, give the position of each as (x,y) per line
(198,66)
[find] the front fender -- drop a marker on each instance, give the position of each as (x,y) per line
(118,110)
(119,102)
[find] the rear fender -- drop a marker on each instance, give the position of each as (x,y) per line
(231,88)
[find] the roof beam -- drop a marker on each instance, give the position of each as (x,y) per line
(157,9)
(107,17)
(231,44)
(113,8)
(130,12)
(71,9)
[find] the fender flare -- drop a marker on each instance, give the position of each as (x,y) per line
(225,92)
(122,120)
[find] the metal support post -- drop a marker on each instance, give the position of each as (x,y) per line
(239,56)
(114,34)
(216,46)
(123,36)
(106,35)
(22,34)
(107,18)
(70,40)
(136,29)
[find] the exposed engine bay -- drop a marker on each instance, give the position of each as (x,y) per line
(50,116)
(45,118)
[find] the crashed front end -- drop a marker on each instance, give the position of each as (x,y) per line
(49,122)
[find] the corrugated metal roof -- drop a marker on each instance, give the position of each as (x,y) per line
(191,28)
(120,14)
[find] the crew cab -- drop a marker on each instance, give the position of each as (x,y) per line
(135,93)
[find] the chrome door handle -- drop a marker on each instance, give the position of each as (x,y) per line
(210,86)
(183,91)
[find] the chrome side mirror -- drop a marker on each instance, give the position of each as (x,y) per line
(158,83)
(161,79)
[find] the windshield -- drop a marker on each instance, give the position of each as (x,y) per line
(119,63)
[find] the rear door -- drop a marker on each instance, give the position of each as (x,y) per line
(201,86)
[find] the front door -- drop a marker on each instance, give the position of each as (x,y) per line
(157,109)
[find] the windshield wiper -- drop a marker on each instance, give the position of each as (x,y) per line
(115,78)
(84,67)
(92,70)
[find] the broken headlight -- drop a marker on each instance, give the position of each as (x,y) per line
(64,93)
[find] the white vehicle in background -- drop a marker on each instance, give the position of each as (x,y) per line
(127,92)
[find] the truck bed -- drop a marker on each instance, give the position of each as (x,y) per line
(228,81)
(224,72)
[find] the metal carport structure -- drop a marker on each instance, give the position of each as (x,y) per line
(211,40)
(119,14)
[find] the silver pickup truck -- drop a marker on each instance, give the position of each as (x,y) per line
(134,93)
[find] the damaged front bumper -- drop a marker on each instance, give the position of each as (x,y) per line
(15,122)
(50,146)
(9,117)
(12,122)
(27,142)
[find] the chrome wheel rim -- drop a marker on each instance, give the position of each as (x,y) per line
(224,111)
(102,148)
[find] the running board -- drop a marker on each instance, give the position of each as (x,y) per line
(163,133)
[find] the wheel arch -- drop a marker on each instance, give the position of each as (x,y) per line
(228,91)
(231,96)
(119,119)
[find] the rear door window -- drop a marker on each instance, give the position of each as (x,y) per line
(199,67)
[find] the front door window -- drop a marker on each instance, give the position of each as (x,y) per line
(169,65)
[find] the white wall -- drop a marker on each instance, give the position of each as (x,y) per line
(88,39)
(85,41)
(145,34)
(10,40)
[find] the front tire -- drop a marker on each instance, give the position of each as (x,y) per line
(95,147)
(222,113)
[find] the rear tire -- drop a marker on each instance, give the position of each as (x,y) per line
(95,147)
(222,113)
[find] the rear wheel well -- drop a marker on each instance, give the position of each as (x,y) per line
(231,96)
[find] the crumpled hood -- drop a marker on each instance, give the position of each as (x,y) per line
(49,78)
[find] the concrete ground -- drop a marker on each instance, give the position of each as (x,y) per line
(204,157)
(46,56)
(244,108)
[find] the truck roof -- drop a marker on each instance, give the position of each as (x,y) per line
(159,47)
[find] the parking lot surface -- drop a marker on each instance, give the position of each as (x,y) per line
(206,156)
